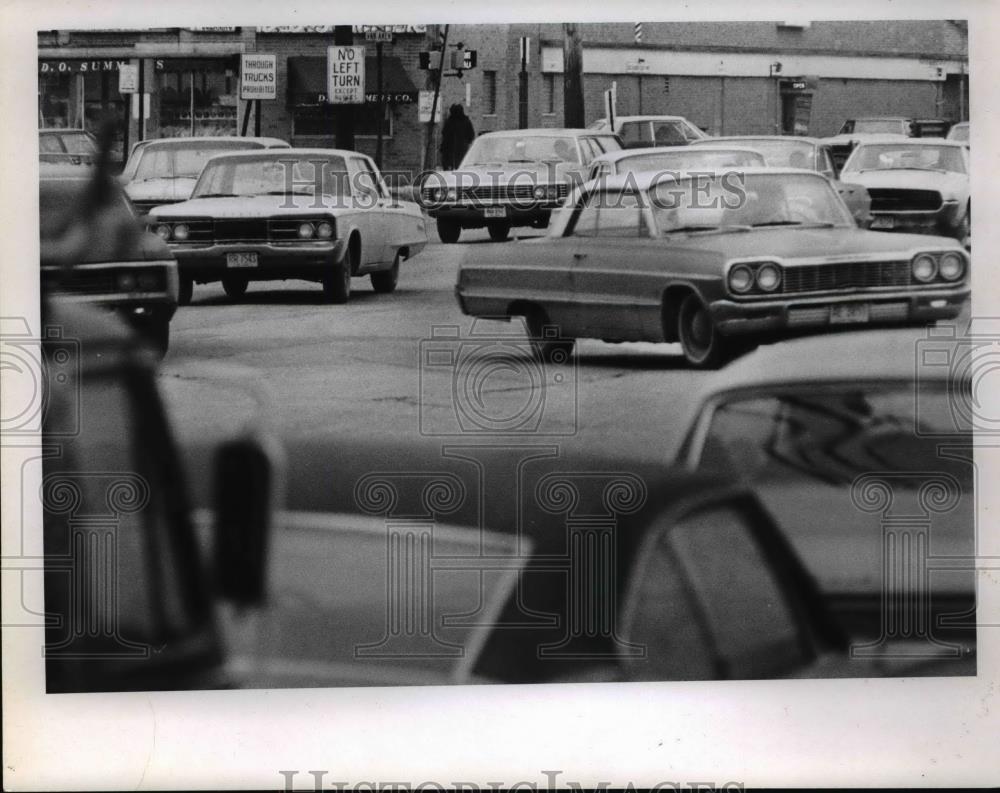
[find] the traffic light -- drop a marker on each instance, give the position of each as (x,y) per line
(463,59)
(429,60)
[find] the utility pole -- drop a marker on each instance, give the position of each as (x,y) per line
(381,104)
(343,123)
(573,115)
(522,86)
(428,158)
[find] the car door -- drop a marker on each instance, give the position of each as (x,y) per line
(369,212)
(609,256)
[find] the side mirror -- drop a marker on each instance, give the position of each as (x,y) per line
(717,593)
(246,478)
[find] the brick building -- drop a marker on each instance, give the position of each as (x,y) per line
(725,77)
(728,78)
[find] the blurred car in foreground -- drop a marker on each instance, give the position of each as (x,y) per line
(918,185)
(811,154)
(686,158)
(164,170)
(314,214)
(639,132)
(719,263)
(124,268)
(66,147)
(509,179)
(838,448)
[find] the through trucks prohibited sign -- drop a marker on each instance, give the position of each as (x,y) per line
(258,76)
(345,75)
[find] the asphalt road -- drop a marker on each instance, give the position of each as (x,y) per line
(409,364)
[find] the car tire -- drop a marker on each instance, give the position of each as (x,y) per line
(385,281)
(499,231)
(449,231)
(546,350)
(186,290)
(337,281)
(235,286)
(703,346)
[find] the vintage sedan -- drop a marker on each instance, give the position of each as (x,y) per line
(125,268)
(639,132)
(718,263)
(513,178)
(836,446)
(918,185)
(320,215)
(858,130)
(164,171)
(786,151)
(677,158)
(66,147)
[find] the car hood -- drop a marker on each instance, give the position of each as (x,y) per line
(245,207)
(901,178)
(528,172)
(793,243)
(162,189)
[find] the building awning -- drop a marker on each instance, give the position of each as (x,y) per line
(307,81)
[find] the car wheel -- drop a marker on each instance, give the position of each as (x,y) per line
(186,291)
(385,281)
(499,231)
(337,282)
(449,231)
(547,349)
(704,347)
(235,286)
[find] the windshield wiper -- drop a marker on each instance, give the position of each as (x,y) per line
(216,195)
(805,223)
(904,168)
(286,192)
(693,227)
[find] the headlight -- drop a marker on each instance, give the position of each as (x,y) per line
(951,266)
(740,279)
(768,277)
(163,231)
(181,232)
(924,267)
(437,194)
(540,192)
(126,282)
(324,230)
(306,230)
(148,282)
(452,194)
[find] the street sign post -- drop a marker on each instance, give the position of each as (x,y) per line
(345,75)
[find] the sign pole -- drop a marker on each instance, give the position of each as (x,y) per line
(256,118)
(437,91)
(344,120)
(381,104)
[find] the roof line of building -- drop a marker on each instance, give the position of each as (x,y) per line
(618,45)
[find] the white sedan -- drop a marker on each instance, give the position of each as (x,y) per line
(321,215)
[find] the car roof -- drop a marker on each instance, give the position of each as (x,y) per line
(881,118)
(622,154)
(294,152)
(790,138)
(542,132)
(644,179)
(251,141)
(892,140)
(889,355)
(654,117)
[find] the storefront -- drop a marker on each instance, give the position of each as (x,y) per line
(194,97)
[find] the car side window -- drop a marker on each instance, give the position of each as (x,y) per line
(589,150)
(611,214)
(824,163)
(636,133)
(668,133)
(703,614)
(363,178)
(376,178)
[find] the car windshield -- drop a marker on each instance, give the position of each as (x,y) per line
(684,159)
(181,160)
(879,125)
(734,200)
(274,175)
(903,156)
(778,153)
(501,149)
(79,143)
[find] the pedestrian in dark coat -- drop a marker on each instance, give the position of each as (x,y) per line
(456,135)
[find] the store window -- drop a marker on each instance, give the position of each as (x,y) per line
(76,94)
(196,98)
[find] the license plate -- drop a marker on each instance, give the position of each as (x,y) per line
(882,222)
(241,259)
(495,212)
(845,314)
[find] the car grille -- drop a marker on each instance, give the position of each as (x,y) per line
(80,282)
(519,191)
(846,275)
(242,230)
(895,200)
